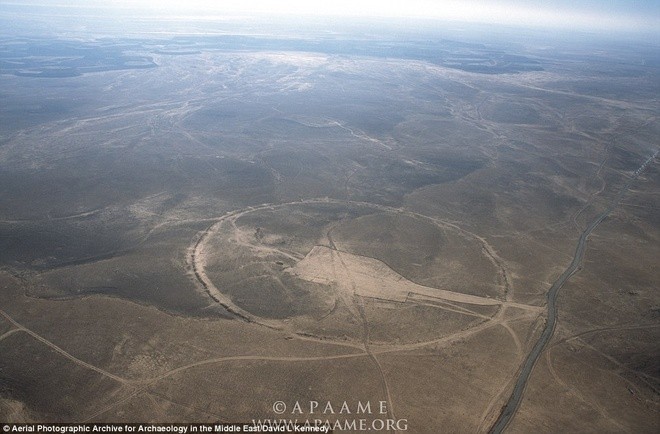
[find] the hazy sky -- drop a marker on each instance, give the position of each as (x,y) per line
(604,14)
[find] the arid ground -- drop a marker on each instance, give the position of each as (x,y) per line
(195,228)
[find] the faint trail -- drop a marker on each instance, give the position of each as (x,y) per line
(598,175)
(551,369)
(248,358)
(61,351)
(386,387)
(623,367)
(445,305)
(114,404)
(462,334)
(173,371)
(216,417)
(575,392)
(347,183)
(456,336)
(347,299)
(359,303)
(612,102)
(361,135)
(603,184)
(514,336)
(9,333)
(604,329)
(511,407)
(55,219)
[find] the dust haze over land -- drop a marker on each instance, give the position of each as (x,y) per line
(195,226)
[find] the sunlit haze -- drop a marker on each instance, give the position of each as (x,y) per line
(581,14)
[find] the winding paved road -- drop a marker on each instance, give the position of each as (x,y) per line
(509,410)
